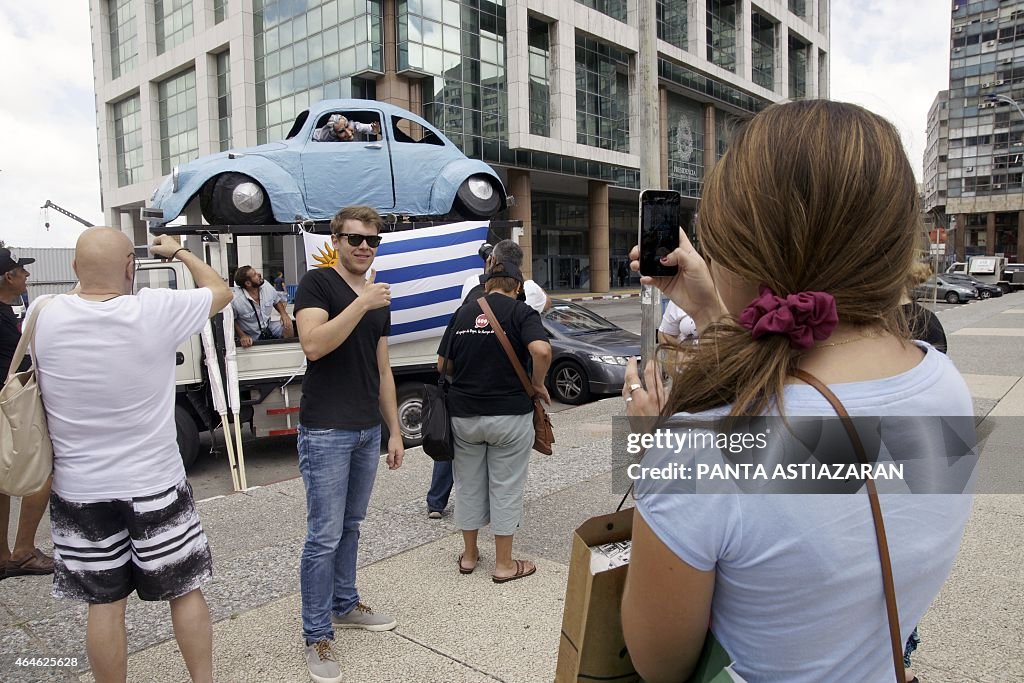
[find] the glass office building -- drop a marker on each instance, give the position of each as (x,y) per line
(984,160)
(547,94)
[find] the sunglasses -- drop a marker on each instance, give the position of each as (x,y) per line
(355,239)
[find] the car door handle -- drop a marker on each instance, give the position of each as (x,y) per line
(374,145)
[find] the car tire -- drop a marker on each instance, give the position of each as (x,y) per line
(952,298)
(569,383)
(235,199)
(188,436)
(478,197)
(984,294)
(410,414)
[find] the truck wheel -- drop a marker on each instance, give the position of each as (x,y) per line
(478,197)
(188,436)
(410,414)
(1006,288)
(235,199)
(952,298)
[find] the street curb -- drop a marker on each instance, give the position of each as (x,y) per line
(597,298)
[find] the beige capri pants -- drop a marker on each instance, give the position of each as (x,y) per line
(492,456)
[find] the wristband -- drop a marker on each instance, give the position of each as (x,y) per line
(177,250)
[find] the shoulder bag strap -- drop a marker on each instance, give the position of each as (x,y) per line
(28,334)
(256,312)
(505,344)
(876,513)
(447,357)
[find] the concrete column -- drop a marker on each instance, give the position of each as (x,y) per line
(206,103)
(744,66)
(125,222)
(519,187)
(600,275)
(1020,237)
(294,259)
(649,135)
(960,237)
(990,233)
(710,142)
(391,87)
(663,124)
(696,29)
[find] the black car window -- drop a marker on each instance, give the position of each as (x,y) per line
(300,121)
(574,320)
(404,130)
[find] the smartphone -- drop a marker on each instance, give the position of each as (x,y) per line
(660,220)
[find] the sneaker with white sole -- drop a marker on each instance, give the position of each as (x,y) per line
(434,514)
(323,667)
(365,618)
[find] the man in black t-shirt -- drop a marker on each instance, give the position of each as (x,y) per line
(25,558)
(344,320)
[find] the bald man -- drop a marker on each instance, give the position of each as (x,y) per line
(122,514)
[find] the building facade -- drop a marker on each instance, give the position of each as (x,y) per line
(545,91)
(984,193)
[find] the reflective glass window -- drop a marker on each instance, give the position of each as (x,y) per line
(124,49)
(179,132)
(128,140)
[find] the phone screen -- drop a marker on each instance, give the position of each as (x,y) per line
(660,220)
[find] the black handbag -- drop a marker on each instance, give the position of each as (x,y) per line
(438,439)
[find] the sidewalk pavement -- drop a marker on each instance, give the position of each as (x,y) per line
(455,628)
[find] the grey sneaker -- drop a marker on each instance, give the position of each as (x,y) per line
(365,618)
(434,514)
(323,667)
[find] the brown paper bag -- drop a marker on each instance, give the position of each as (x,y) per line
(592,647)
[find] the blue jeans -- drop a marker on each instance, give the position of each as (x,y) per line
(338,467)
(441,482)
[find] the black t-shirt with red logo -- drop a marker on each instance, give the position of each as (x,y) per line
(10,335)
(484,382)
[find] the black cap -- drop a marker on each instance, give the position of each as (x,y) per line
(9,261)
(506,270)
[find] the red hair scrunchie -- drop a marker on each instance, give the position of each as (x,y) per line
(804,317)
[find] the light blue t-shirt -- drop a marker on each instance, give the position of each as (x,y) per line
(798,590)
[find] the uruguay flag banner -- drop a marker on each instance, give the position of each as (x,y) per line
(426,269)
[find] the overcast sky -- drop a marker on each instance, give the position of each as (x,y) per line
(891,57)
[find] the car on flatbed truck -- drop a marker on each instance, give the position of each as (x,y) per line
(270,376)
(405,167)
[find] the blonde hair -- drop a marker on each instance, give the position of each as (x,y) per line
(811,196)
(919,272)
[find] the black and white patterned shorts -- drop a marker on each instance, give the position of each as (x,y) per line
(151,544)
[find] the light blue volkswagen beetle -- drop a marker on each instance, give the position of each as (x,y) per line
(407,168)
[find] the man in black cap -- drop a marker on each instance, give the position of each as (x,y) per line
(25,557)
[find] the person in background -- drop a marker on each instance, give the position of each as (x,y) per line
(122,512)
(808,248)
(279,282)
(530,293)
(253,301)
(492,416)
(676,326)
(924,325)
(24,557)
(622,273)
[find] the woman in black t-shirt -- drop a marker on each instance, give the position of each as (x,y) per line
(492,416)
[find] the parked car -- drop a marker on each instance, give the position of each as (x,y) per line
(589,353)
(408,168)
(985,290)
(948,290)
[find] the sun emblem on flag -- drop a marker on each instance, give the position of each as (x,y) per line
(326,256)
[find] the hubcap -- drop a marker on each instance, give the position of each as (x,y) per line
(480,188)
(569,383)
(247,197)
(410,418)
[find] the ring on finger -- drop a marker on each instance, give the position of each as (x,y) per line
(634,387)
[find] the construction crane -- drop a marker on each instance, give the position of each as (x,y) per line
(50,205)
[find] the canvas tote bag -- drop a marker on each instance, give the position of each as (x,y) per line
(26,454)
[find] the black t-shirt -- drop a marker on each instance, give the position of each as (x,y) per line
(342,389)
(10,335)
(485,383)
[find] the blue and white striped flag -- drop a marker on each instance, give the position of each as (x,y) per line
(426,269)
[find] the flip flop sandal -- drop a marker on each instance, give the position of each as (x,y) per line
(520,573)
(463,570)
(36,564)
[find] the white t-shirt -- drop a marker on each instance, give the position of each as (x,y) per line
(677,323)
(798,588)
(535,296)
(106,373)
